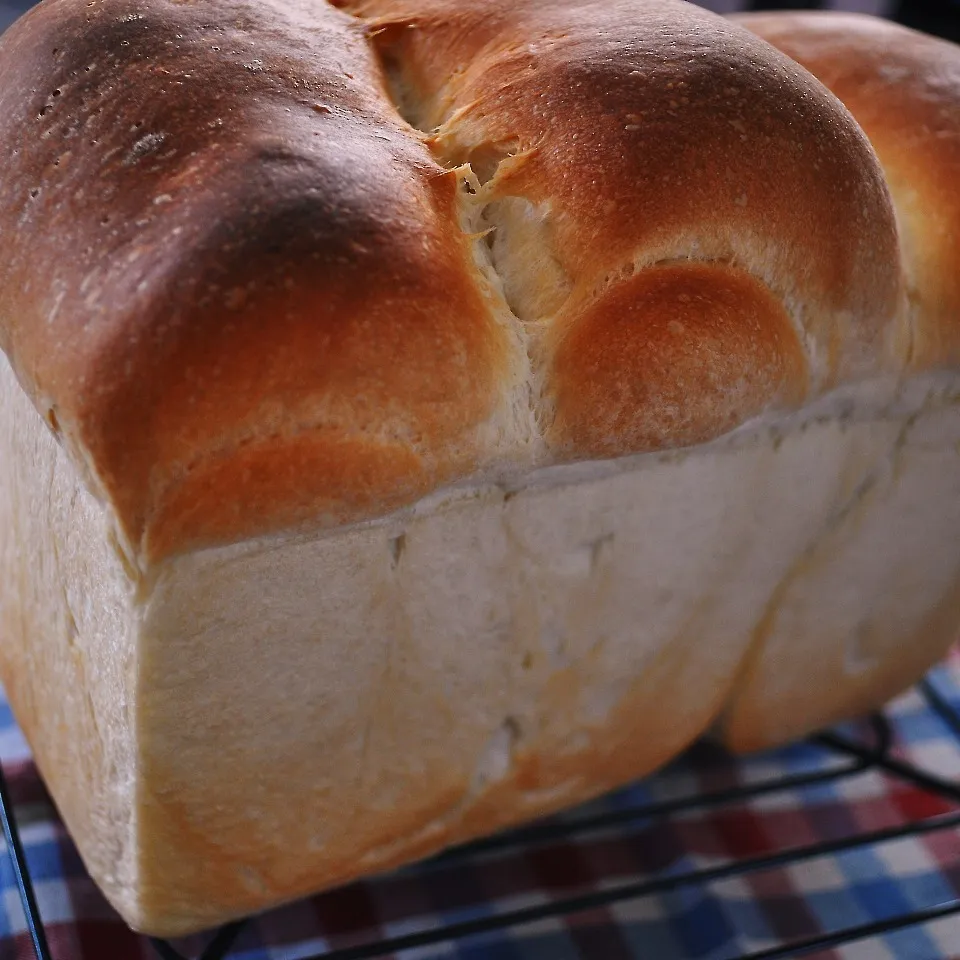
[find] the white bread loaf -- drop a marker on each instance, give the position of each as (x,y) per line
(419,416)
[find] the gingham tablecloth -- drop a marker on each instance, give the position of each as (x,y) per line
(724,919)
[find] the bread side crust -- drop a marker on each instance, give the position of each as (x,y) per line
(515,649)
(495,654)
(68,643)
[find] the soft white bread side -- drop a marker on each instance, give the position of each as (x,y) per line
(365,488)
(517,650)
(69,642)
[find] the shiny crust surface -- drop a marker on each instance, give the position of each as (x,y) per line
(286,264)
(710,348)
(903,88)
(238,283)
(653,131)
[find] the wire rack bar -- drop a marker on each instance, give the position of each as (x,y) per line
(904,771)
(21,871)
(639,889)
(940,705)
(855,934)
(217,948)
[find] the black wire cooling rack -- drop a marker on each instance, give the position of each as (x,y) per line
(852,756)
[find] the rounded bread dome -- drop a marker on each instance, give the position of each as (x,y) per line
(303,265)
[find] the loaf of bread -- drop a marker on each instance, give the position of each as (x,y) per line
(417,416)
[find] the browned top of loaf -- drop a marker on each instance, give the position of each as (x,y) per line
(903,88)
(250,295)
(231,273)
(656,132)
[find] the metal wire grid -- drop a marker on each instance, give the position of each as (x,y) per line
(860,756)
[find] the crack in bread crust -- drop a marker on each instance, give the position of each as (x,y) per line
(379,336)
(485,94)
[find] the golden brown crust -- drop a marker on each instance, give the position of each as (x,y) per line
(259,306)
(903,88)
(677,354)
(649,132)
(230,249)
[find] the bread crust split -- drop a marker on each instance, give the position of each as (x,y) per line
(485,395)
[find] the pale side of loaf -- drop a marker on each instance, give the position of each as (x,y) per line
(429,415)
